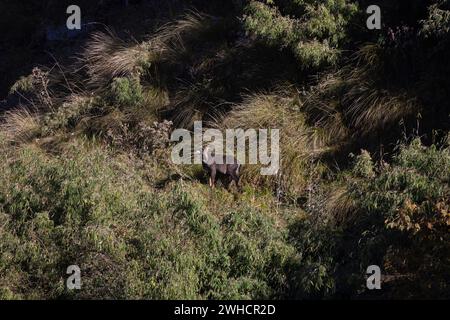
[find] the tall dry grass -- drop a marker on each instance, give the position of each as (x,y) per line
(300,145)
(19,125)
(106,56)
(356,101)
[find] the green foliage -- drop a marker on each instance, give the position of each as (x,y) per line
(141,227)
(143,139)
(268,23)
(130,240)
(24,84)
(36,85)
(318,245)
(400,222)
(418,180)
(68,114)
(313,38)
(404,219)
(363,166)
(438,22)
(126,92)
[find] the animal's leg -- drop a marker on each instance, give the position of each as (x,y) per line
(233,177)
(213,178)
(230,183)
(236,180)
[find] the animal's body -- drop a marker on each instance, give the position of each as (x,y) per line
(229,166)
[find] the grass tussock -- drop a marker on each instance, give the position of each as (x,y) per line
(20,125)
(353,103)
(106,57)
(300,145)
(173,40)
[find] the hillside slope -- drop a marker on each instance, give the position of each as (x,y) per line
(86,176)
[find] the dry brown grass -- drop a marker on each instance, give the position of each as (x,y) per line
(171,41)
(20,125)
(190,41)
(106,56)
(299,145)
(354,101)
(340,206)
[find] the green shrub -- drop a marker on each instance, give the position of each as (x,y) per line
(130,240)
(399,221)
(24,84)
(363,166)
(403,218)
(68,114)
(36,86)
(314,35)
(126,92)
(410,200)
(438,22)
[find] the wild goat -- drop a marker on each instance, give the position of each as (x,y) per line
(229,167)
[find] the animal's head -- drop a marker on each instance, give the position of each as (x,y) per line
(200,154)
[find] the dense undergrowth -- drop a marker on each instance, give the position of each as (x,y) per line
(86,176)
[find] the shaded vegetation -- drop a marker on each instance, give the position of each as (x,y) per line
(364,116)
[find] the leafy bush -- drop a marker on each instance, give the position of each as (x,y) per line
(130,240)
(36,85)
(400,222)
(68,114)
(314,37)
(410,200)
(126,92)
(142,138)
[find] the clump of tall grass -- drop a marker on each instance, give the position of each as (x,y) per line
(189,48)
(106,57)
(20,125)
(174,40)
(299,144)
(139,74)
(354,103)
